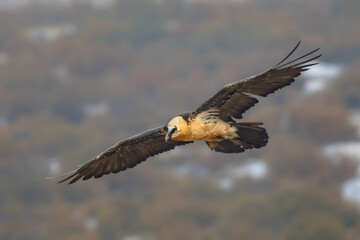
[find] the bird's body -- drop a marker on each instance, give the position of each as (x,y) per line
(204,126)
(214,122)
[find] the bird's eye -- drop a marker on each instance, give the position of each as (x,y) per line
(173,130)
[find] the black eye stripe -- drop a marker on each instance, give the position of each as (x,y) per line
(173,130)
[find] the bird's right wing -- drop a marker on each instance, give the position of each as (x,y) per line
(125,154)
(234,99)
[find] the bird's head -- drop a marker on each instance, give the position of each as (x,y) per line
(174,128)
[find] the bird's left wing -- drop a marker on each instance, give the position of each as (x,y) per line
(234,99)
(125,154)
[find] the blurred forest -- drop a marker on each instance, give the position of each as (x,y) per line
(76,77)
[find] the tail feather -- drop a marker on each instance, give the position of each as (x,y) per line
(250,135)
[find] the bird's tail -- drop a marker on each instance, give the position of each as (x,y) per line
(250,135)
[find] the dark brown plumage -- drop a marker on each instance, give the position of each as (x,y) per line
(235,98)
(125,154)
(214,121)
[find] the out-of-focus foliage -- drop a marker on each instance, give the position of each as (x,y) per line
(133,65)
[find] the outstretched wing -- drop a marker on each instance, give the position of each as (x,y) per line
(234,99)
(125,154)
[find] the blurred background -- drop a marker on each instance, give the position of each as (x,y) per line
(78,76)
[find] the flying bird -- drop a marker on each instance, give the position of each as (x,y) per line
(214,122)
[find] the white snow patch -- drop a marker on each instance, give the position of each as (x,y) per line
(96,109)
(343,149)
(319,76)
(191,169)
(54,166)
(351,189)
(51,33)
(91,223)
(255,169)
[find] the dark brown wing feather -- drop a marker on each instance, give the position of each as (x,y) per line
(235,99)
(125,154)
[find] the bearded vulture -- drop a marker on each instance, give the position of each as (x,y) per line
(213,122)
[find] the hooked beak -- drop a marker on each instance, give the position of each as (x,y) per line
(171,130)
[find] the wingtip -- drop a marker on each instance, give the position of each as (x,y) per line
(63,180)
(72,177)
(72,182)
(291,52)
(66,176)
(301,57)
